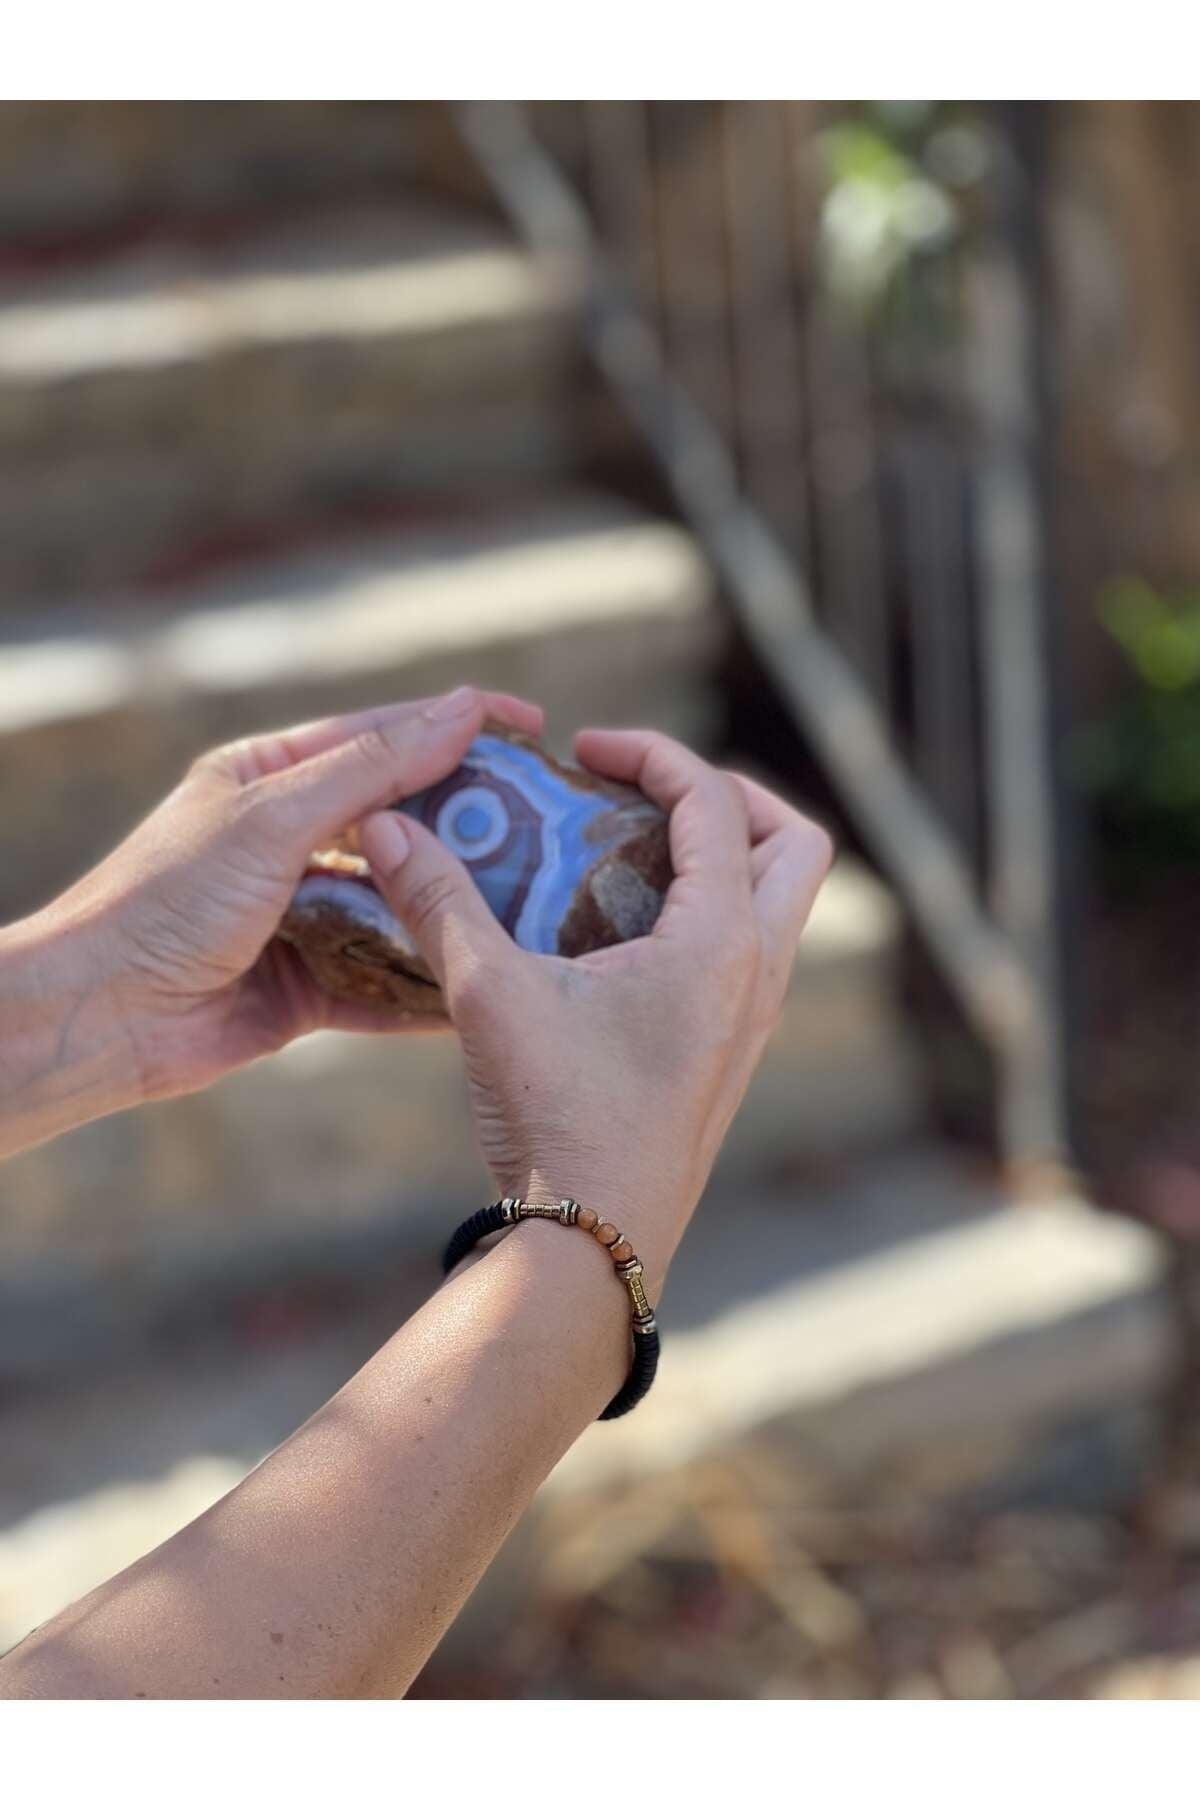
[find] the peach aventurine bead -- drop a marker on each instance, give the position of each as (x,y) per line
(606,1233)
(622,1253)
(588,1219)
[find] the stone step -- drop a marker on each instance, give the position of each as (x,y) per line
(922,1305)
(346,1152)
(606,615)
(74,171)
(359,356)
(898,1308)
(914,1333)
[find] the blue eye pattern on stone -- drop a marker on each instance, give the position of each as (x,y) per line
(521,829)
(474,822)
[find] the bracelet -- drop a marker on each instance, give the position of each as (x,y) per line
(511,1211)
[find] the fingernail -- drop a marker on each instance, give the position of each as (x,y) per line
(384,842)
(452,706)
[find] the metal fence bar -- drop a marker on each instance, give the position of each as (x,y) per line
(802,206)
(765,317)
(697,337)
(616,135)
(1013,663)
(846,474)
(828,700)
(930,484)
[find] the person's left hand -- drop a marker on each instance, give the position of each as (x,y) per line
(174,931)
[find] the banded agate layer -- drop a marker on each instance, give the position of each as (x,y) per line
(568,864)
(528,836)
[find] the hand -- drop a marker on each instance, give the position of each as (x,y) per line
(613,1078)
(176,928)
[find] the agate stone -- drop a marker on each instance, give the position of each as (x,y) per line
(566,861)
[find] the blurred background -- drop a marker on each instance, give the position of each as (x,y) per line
(860,446)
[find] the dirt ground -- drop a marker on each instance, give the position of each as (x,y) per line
(984,1569)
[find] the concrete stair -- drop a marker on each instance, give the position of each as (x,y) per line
(605,613)
(289,425)
(77,175)
(906,1311)
(161,402)
(349,1154)
(289,439)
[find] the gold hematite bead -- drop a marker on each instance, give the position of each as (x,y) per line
(637,1296)
(606,1234)
(587,1220)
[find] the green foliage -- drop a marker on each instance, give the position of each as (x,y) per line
(1141,763)
(891,174)
(1161,638)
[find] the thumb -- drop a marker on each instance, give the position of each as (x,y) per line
(435,899)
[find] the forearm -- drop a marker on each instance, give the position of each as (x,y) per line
(65,1056)
(336,1566)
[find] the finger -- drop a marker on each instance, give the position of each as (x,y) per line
(272,752)
(710,842)
(305,806)
(766,811)
(790,859)
(433,896)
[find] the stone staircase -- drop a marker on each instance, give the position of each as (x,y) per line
(174,399)
(906,1314)
(606,612)
(290,424)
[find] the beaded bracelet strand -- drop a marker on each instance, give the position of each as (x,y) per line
(511,1211)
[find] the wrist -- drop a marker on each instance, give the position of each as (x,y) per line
(651,1210)
(65,1054)
(519,1256)
(562,1303)
(652,1219)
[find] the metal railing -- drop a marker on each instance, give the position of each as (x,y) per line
(924,693)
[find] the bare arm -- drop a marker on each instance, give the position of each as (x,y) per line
(64,1053)
(336,1566)
(156,974)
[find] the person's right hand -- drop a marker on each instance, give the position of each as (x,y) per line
(613,1078)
